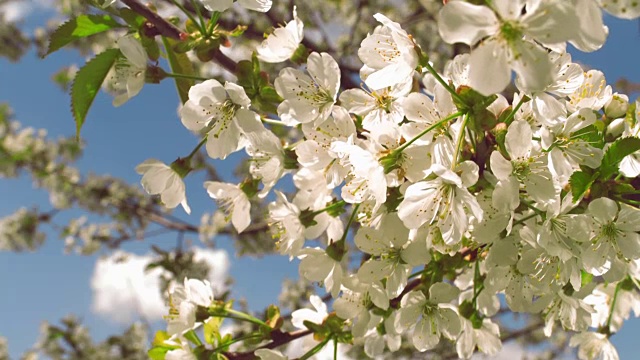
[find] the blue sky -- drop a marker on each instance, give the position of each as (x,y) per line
(47,285)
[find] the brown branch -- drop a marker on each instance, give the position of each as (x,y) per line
(163,26)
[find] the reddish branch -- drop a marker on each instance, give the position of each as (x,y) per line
(164,27)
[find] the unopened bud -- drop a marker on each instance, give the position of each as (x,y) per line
(616,106)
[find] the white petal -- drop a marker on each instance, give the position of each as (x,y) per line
(459,21)
(489,70)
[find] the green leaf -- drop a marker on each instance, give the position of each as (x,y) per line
(158,353)
(212,329)
(79,27)
(580,182)
(180,64)
(615,153)
(87,83)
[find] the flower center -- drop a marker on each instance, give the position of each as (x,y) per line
(511,31)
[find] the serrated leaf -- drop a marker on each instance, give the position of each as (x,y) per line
(80,27)
(580,182)
(87,82)
(180,64)
(615,153)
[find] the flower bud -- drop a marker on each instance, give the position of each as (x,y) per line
(615,129)
(616,106)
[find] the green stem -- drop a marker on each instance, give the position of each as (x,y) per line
(186,12)
(315,349)
(199,13)
(509,118)
(242,338)
(463,126)
(213,22)
(351,218)
(524,219)
(430,128)
(183,76)
(337,204)
(195,150)
(335,349)
(530,206)
(238,315)
(417,273)
(442,82)
(613,305)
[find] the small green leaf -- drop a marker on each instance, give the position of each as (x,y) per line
(180,64)
(158,353)
(580,182)
(79,27)
(615,153)
(87,83)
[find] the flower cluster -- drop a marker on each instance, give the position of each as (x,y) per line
(460,192)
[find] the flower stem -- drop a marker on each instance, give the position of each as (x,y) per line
(315,349)
(195,150)
(442,82)
(340,203)
(213,22)
(612,308)
(238,315)
(458,150)
(511,115)
(186,12)
(183,76)
(202,23)
(430,128)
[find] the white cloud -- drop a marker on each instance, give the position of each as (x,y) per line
(123,291)
(19,9)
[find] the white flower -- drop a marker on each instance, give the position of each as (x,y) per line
(159,178)
(390,53)
(308,98)
(129,73)
(233,201)
(315,153)
(594,92)
(593,345)
(356,300)
(526,166)
(615,233)
(266,152)
(630,164)
(268,354)
(593,32)
(390,258)
(433,315)
(220,109)
(549,22)
(222,5)
(379,108)
(486,338)
(567,77)
(442,201)
(298,317)
(624,9)
(285,224)
(567,151)
(183,304)
(317,265)
(184,353)
(283,42)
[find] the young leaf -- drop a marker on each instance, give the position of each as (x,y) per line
(87,82)
(180,64)
(615,153)
(580,182)
(79,27)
